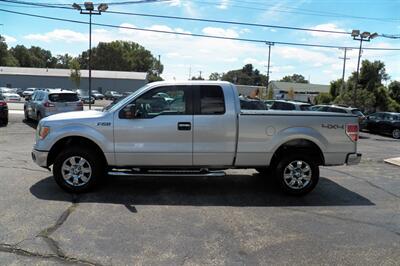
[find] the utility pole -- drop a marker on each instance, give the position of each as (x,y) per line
(89,10)
(159,65)
(200,74)
(344,66)
(190,72)
(269,60)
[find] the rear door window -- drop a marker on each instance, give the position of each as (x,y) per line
(212,100)
(63,97)
(282,106)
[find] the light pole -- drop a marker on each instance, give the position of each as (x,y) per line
(269,57)
(89,10)
(362,37)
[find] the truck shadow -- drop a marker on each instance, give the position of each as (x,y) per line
(231,190)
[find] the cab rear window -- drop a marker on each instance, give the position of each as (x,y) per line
(63,97)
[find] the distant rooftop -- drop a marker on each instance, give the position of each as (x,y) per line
(58,72)
(299,87)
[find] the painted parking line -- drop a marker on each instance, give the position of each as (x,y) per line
(394,161)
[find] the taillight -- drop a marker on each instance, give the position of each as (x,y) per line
(79,104)
(47,104)
(3,103)
(352,131)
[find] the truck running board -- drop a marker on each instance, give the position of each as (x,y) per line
(171,173)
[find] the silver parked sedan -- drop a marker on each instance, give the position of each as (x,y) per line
(48,102)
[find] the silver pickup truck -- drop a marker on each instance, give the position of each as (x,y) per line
(193,128)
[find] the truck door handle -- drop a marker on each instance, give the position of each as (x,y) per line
(184,126)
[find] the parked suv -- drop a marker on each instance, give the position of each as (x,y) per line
(290,106)
(384,123)
(48,102)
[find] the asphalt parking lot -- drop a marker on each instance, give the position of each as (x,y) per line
(351,218)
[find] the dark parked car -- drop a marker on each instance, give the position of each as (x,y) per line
(97,95)
(3,111)
(384,123)
(252,104)
(85,99)
(112,95)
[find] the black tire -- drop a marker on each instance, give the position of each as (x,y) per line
(39,116)
(96,164)
(396,133)
(4,122)
(26,115)
(283,166)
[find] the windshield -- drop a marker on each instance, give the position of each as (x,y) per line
(123,100)
(357,112)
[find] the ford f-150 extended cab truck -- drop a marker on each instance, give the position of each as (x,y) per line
(193,128)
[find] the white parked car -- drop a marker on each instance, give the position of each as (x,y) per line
(28,92)
(11,97)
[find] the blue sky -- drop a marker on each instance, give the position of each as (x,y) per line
(183,55)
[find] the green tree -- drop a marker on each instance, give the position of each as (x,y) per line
(335,88)
(394,90)
(122,56)
(372,74)
(365,100)
(296,78)
(6,58)
(215,76)
(33,57)
(63,61)
(323,98)
(75,75)
(245,76)
(198,78)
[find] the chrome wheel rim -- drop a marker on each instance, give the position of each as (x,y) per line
(396,133)
(297,174)
(76,171)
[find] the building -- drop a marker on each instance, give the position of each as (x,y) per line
(102,80)
(304,92)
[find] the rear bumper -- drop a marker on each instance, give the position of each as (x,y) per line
(353,158)
(3,113)
(40,157)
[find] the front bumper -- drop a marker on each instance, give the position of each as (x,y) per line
(40,157)
(353,158)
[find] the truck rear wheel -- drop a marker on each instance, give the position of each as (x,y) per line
(77,170)
(297,174)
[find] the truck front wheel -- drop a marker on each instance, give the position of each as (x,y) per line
(297,174)
(77,170)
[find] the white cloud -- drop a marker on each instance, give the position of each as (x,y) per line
(224,4)
(181,53)
(328,27)
(9,39)
(68,36)
(220,32)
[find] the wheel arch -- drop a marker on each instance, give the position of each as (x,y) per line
(70,141)
(302,145)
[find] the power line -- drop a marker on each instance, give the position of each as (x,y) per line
(228,22)
(193,19)
(391,36)
(194,34)
(304,12)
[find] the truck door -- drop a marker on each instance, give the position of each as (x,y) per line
(214,136)
(155,129)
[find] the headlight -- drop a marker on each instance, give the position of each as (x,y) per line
(43,132)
